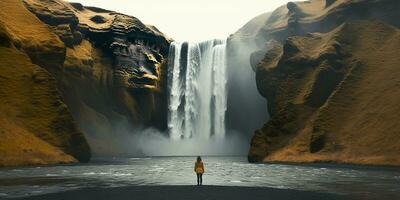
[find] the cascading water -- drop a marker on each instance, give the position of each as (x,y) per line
(197,83)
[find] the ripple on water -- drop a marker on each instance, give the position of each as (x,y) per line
(51,175)
(158,169)
(122,174)
(89,173)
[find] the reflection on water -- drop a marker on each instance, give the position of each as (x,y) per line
(355,181)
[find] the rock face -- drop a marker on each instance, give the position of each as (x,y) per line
(78,67)
(113,72)
(36,127)
(330,81)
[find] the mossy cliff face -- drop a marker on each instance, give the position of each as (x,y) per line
(331,93)
(65,66)
(36,127)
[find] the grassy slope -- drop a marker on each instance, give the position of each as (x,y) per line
(36,125)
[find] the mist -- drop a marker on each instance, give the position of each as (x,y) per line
(151,142)
(126,141)
(247,109)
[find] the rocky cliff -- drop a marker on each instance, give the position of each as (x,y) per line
(329,70)
(113,75)
(67,68)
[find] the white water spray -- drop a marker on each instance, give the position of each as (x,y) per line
(197,83)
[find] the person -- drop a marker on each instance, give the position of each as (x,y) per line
(199,169)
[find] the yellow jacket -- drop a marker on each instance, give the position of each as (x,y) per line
(199,167)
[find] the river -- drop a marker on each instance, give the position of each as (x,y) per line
(358,182)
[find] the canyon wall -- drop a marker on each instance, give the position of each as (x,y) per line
(114,73)
(72,76)
(330,72)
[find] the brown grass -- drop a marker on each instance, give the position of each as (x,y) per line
(31,35)
(35,124)
(32,115)
(359,120)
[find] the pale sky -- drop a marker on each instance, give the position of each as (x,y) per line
(191,20)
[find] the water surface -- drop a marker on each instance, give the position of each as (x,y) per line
(354,181)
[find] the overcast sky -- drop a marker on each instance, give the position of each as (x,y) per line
(191,20)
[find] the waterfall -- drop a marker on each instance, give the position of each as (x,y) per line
(197,89)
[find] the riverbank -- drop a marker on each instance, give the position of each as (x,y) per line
(186,193)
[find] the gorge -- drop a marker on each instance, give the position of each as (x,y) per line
(102,83)
(301,102)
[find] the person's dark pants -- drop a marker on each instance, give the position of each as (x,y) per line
(199,179)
